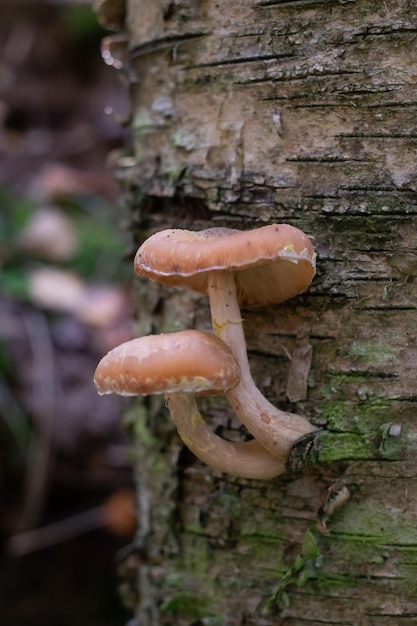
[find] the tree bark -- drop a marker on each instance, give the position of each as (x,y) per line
(304,112)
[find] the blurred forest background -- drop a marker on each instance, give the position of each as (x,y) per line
(66,494)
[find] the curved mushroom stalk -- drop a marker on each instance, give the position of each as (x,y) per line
(245,459)
(274,429)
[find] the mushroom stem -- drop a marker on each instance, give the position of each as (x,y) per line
(274,429)
(245,459)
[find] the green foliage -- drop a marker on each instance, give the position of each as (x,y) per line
(100,249)
(14,282)
(15,430)
(81,21)
(14,213)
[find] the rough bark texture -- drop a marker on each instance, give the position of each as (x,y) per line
(249,112)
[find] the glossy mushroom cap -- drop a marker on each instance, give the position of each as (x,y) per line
(192,361)
(272,263)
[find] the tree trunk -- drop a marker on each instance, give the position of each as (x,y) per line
(253,112)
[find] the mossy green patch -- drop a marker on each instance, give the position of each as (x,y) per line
(360,417)
(375,354)
(190,605)
(306,567)
(333,447)
(335,387)
(388,442)
(376,524)
(134,420)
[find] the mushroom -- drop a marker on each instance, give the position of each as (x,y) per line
(182,364)
(236,268)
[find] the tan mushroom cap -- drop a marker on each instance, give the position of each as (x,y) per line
(192,361)
(272,263)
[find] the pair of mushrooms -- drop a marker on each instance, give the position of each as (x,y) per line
(235,268)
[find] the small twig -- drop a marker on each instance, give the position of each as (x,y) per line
(116,514)
(44,382)
(51,534)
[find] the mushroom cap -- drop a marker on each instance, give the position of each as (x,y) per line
(189,360)
(272,263)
